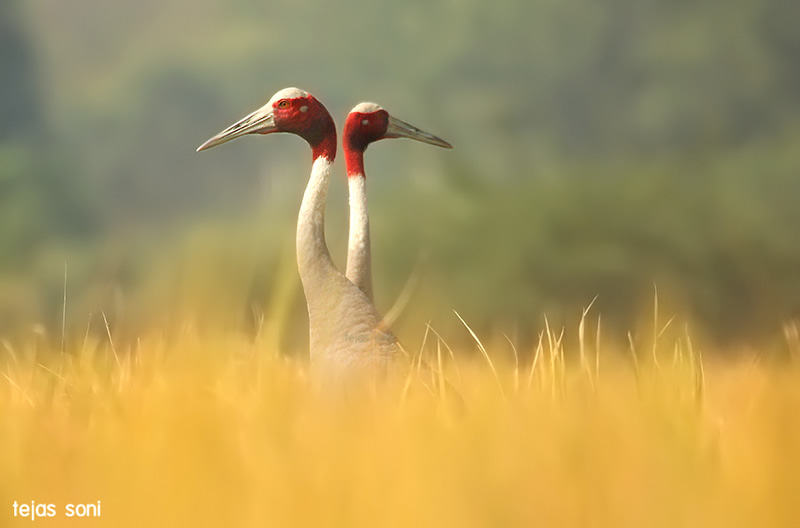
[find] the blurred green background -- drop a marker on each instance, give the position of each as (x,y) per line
(601,149)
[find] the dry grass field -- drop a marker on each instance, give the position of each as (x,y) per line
(203,430)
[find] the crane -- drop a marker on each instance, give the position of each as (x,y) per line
(367,123)
(346,333)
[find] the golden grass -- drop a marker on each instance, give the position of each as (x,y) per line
(214,431)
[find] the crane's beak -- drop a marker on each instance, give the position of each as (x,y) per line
(401,129)
(262,121)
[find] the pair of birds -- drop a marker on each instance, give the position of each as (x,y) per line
(347,334)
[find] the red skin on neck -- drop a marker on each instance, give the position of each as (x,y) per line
(360,130)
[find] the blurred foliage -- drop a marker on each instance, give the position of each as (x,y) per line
(717,238)
(20,113)
(600,150)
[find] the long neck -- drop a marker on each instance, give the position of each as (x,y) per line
(359,257)
(313,259)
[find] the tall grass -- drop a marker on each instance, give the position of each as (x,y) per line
(212,430)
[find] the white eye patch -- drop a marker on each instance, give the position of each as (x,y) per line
(365,121)
(304,109)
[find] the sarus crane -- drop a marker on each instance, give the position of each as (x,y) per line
(346,332)
(365,124)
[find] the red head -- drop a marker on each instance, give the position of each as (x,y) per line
(290,110)
(368,122)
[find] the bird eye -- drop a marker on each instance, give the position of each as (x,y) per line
(283,104)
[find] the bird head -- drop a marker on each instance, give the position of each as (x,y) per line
(369,122)
(290,110)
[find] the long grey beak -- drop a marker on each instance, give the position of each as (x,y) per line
(259,122)
(401,129)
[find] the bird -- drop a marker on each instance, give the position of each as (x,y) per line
(365,124)
(347,336)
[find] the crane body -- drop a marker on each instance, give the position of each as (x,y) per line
(346,333)
(367,123)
